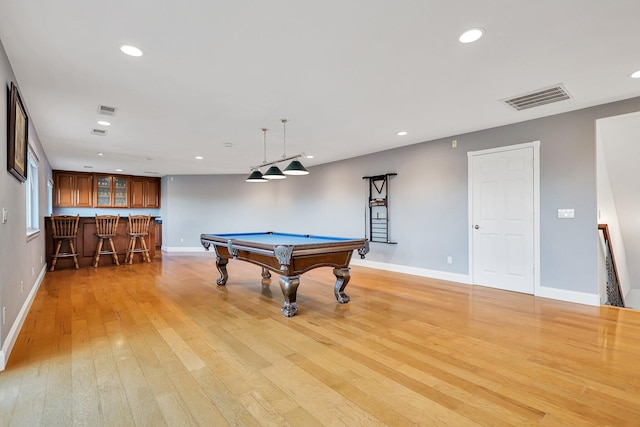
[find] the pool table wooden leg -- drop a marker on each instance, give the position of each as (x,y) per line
(342,279)
(266,276)
(221,265)
(289,286)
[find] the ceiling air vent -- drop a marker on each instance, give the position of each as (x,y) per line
(106,110)
(538,98)
(100,132)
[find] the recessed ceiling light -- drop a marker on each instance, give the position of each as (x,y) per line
(118,170)
(471,35)
(309,156)
(228,144)
(88,167)
(636,75)
(100,154)
(402,133)
(199,157)
(103,123)
(130,50)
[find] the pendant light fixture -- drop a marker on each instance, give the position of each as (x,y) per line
(295,167)
(256,175)
(274,172)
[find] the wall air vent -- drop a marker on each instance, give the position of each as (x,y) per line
(539,97)
(106,110)
(100,132)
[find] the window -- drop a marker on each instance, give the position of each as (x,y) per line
(50,197)
(33,221)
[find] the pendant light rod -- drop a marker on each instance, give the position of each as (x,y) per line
(284,137)
(264,130)
(284,159)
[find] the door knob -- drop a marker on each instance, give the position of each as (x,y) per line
(476,227)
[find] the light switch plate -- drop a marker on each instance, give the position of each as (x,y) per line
(566,213)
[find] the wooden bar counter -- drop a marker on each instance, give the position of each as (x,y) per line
(87,242)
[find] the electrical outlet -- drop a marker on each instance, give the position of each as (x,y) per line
(4,315)
(5,213)
(454,144)
(21,286)
(449,260)
(181,240)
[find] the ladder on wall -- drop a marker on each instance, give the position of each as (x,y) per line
(378,208)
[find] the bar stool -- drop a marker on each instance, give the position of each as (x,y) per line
(138,230)
(64,228)
(106,228)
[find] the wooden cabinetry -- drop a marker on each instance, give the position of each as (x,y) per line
(89,190)
(145,192)
(112,191)
(158,235)
(73,190)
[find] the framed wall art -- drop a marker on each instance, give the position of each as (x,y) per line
(17,136)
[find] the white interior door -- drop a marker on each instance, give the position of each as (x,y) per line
(502,218)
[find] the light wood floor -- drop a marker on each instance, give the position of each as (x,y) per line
(160,344)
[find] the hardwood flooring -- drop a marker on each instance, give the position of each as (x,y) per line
(160,344)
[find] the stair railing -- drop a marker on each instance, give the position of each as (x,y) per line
(614,293)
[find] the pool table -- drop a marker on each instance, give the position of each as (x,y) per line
(288,255)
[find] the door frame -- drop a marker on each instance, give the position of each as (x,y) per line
(536,205)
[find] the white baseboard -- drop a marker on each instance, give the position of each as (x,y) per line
(569,296)
(423,272)
(541,291)
(12,336)
(544,292)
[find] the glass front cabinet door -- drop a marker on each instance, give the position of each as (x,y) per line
(112,191)
(120,198)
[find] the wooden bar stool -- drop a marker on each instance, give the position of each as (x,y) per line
(138,230)
(64,228)
(106,228)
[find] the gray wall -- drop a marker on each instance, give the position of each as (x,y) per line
(20,259)
(429,203)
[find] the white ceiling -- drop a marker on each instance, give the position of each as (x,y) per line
(347,74)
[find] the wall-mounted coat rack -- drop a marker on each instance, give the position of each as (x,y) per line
(377,211)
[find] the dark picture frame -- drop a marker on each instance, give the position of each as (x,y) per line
(17,135)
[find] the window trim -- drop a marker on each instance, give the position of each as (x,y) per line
(32,195)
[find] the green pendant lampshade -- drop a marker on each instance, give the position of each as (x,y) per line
(256,176)
(274,172)
(296,168)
